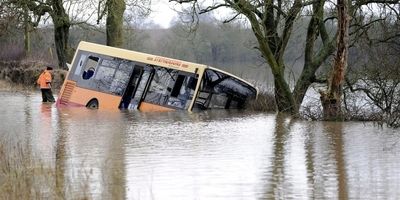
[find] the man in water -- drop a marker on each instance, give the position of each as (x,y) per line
(44,81)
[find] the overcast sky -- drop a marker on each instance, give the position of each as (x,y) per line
(162,13)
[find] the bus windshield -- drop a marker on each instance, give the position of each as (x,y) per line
(220,90)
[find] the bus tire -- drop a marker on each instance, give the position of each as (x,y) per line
(93,104)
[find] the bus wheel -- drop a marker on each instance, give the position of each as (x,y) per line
(93,104)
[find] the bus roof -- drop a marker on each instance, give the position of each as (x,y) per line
(234,76)
(141,57)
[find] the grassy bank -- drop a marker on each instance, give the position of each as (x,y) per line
(7,86)
(23,74)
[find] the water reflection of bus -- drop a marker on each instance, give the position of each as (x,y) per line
(108,77)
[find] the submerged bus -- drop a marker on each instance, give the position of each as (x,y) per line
(110,78)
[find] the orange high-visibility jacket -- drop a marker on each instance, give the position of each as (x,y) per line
(44,80)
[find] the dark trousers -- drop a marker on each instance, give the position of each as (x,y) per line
(47,95)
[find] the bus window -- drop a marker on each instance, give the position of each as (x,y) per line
(178,85)
(90,67)
(141,76)
(160,86)
(80,64)
(87,74)
(121,78)
(171,88)
(219,90)
(104,78)
(110,63)
(183,91)
(126,66)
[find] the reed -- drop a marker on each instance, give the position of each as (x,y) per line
(265,102)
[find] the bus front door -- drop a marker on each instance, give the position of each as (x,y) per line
(140,79)
(131,87)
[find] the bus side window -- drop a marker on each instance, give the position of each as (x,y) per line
(177,87)
(87,74)
(192,83)
(160,86)
(90,67)
(122,77)
(80,64)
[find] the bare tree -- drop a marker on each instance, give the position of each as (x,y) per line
(272,24)
(7,16)
(17,14)
(60,20)
(332,98)
(114,9)
(378,75)
(382,89)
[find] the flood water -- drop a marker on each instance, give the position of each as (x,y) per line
(206,155)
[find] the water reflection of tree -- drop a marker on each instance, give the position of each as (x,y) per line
(114,174)
(310,151)
(61,150)
(111,162)
(335,132)
(331,152)
(282,130)
(318,157)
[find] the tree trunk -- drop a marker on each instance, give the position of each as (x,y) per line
(283,96)
(114,22)
(302,85)
(61,32)
(313,59)
(27,31)
(331,100)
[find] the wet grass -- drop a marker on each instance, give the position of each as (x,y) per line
(6,86)
(265,102)
(25,73)
(24,177)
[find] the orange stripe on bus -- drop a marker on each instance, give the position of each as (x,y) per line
(149,107)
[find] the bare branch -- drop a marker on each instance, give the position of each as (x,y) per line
(330,18)
(287,31)
(211,8)
(101,10)
(365,2)
(231,19)
(316,80)
(183,1)
(364,26)
(309,3)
